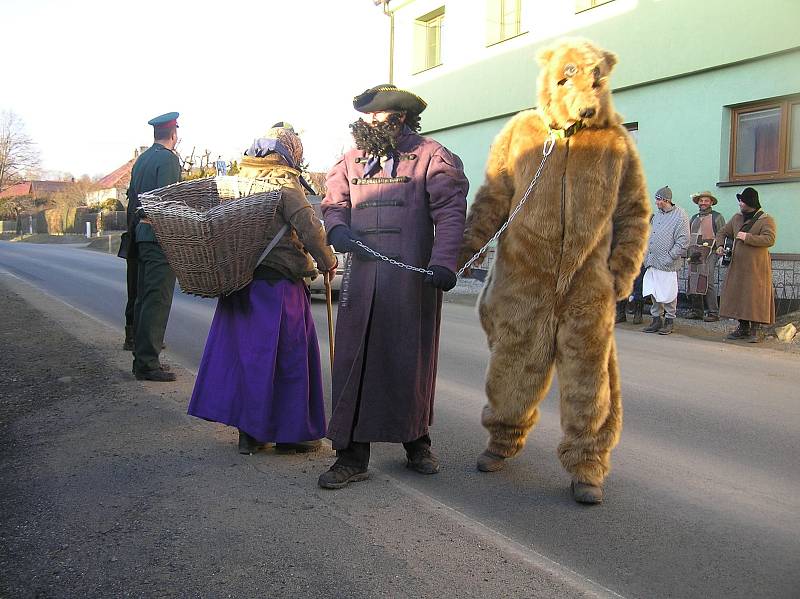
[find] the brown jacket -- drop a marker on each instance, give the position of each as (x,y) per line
(290,257)
(747,293)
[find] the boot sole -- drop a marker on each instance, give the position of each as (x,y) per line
(293,450)
(353,479)
(410,466)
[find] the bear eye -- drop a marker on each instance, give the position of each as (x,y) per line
(597,80)
(563,81)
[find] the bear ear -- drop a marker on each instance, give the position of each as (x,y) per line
(543,56)
(610,59)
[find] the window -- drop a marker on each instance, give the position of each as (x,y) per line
(428,40)
(633,130)
(502,20)
(581,5)
(765,140)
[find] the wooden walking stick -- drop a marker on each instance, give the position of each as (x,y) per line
(329,302)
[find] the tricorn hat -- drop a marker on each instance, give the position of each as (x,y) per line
(704,194)
(388,97)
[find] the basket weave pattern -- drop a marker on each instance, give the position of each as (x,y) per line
(212,230)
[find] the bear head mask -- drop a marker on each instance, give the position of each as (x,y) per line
(573,84)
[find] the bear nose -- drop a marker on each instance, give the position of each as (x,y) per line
(587,113)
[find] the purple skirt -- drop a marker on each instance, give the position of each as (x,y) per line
(260,370)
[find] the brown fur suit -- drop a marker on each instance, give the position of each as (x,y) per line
(568,256)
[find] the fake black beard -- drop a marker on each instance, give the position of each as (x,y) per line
(379,139)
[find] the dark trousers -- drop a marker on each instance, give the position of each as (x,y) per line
(357,453)
(133,281)
(156,284)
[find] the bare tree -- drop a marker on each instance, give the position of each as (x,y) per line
(74,194)
(18,152)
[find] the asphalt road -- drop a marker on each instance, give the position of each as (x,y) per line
(704,496)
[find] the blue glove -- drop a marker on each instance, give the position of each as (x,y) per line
(442,278)
(341,238)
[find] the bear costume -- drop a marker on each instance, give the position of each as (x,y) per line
(570,254)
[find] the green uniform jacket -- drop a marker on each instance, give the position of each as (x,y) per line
(156,167)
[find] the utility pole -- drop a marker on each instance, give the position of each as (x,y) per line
(385,5)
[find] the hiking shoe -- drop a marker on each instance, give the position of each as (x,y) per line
(248,445)
(299,447)
(423,461)
(490,462)
(756,334)
(739,333)
(654,326)
(666,329)
(340,476)
(586,493)
(711,318)
(159,375)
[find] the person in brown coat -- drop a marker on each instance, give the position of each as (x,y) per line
(747,294)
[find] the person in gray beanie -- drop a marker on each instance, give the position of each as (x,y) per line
(669,239)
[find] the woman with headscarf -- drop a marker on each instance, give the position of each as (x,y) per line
(260,370)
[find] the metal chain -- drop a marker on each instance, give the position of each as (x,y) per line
(549,144)
(392,261)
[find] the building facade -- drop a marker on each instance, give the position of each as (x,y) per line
(710,90)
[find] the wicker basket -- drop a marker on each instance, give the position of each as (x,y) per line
(212,230)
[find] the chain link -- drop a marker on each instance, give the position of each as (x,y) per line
(549,144)
(392,261)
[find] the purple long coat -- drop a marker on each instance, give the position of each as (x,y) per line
(387,330)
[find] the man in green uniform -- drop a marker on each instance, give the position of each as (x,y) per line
(156,167)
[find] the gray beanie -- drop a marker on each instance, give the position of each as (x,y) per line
(665,193)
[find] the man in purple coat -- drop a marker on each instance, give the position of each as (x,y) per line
(404,196)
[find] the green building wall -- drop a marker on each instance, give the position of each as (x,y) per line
(682,64)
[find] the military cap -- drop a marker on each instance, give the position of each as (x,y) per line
(388,97)
(169,119)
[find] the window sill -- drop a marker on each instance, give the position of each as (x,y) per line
(505,39)
(426,69)
(747,182)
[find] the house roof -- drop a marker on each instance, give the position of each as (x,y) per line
(120,177)
(20,189)
(34,189)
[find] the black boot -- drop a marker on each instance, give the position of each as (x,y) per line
(638,306)
(740,332)
(248,445)
(654,326)
(621,317)
(128,344)
(696,312)
(340,475)
(666,329)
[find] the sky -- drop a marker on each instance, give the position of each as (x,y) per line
(87,75)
